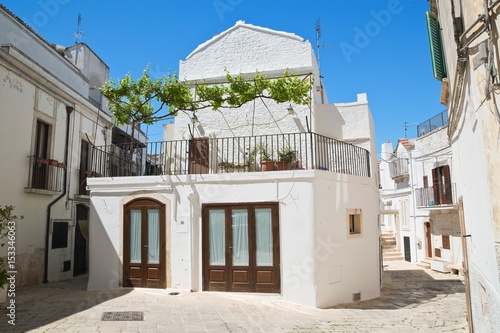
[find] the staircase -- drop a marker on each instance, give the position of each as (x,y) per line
(389,249)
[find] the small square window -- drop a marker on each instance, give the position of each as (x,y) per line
(354,223)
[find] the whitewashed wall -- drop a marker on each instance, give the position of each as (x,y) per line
(304,219)
(477,159)
(37,83)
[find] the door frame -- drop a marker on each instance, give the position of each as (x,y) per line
(144,202)
(228,285)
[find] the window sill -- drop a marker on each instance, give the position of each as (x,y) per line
(40,191)
(354,236)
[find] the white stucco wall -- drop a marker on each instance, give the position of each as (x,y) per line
(37,83)
(477,160)
(343,263)
(302,213)
(245,48)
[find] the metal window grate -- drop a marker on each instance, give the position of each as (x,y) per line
(123,316)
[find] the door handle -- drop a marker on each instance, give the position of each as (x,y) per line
(145,246)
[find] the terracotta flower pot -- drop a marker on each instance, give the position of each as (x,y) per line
(282,165)
(267,165)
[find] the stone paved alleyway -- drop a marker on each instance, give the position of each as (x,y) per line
(413,300)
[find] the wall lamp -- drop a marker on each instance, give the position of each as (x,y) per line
(290,109)
(194,119)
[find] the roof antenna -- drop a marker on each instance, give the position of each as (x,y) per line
(320,47)
(78,34)
(407,124)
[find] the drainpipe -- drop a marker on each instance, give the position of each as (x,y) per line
(414,206)
(69,110)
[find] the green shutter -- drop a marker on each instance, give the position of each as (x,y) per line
(437,54)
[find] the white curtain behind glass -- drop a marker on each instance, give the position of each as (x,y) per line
(135,235)
(264,236)
(217,236)
(240,237)
(153,236)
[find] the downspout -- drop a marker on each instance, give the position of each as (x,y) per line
(69,110)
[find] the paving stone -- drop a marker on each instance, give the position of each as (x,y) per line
(415,300)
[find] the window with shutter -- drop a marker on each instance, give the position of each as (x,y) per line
(436,44)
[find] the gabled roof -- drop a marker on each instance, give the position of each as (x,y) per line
(242,24)
(404,142)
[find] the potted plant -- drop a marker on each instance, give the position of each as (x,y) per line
(286,156)
(266,159)
(225,167)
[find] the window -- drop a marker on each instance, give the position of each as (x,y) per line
(84,167)
(354,223)
(436,44)
(40,163)
(446,242)
(59,235)
(441,185)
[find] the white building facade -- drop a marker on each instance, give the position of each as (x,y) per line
(266,198)
(48,127)
(464,51)
(419,200)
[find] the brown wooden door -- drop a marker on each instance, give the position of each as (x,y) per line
(199,152)
(144,245)
(241,248)
(428,238)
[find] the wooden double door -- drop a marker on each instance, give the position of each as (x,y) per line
(144,251)
(241,248)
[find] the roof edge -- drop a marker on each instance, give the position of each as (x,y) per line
(243,24)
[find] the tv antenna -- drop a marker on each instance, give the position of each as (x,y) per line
(407,124)
(78,34)
(320,47)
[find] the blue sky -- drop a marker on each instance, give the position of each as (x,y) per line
(379,47)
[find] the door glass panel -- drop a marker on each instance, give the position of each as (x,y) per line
(217,236)
(153,236)
(264,236)
(240,237)
(135,236)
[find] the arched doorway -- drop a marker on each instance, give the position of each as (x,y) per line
(144,238)
(428,239)
(81,237)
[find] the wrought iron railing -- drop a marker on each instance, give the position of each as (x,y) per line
(398,168)
(45,174)
(439,196)
(437,121)
(297,151)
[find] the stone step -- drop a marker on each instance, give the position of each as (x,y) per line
(424,264)
(393,249)
(393,258)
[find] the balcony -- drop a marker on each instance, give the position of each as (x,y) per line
(398,169)
(429,125)
(299,151)
(45,174)
(436,196)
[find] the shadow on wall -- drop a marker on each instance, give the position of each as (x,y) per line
(409,288)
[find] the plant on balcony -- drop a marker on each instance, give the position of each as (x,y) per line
(140,101)
(286,156)
(6,218)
